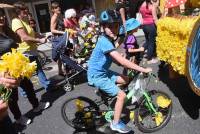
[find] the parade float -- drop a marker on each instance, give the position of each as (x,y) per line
(178,39)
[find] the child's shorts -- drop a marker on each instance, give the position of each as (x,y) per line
(107,83)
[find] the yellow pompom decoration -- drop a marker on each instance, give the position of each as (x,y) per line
(172,40)
(163,102)
(158,118)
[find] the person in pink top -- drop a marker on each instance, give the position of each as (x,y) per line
(149,18)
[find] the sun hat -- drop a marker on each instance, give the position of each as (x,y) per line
(131,24)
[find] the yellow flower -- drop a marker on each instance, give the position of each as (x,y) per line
(158,118)
(89,36)
(172,39)
(163,102)
(17,65)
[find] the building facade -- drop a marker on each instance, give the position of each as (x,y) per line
(40,9)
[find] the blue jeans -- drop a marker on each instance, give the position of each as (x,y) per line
(6,126)
(40,73)
(150,36)
(58,43)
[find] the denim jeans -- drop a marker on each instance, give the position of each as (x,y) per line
(6,126)
(58,43)
(40,73)
(150,36)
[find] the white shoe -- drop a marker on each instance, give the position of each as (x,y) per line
(120,127)
(23,120)
(41,106)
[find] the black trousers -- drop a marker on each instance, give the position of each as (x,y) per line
(6,126)
(27,86)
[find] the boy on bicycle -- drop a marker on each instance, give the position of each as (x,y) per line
(100,61)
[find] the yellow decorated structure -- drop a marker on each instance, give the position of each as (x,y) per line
(172,40)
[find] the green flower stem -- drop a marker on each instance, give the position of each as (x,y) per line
(5,93)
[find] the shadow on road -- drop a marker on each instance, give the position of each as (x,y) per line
(100,130)
(181,89)
(56,91)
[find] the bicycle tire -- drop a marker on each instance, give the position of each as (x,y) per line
(138,118)
(78,115)
(42,58)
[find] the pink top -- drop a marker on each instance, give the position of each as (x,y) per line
(146,14)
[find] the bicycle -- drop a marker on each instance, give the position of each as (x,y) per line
(153,109)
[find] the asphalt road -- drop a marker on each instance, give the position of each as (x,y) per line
(185,116)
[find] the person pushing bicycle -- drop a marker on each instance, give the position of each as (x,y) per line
(98,73)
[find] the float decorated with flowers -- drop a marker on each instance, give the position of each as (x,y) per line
(178,39)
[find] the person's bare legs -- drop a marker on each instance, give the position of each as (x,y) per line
(119,106)
(120,98)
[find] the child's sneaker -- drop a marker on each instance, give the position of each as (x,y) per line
(23,121)
(120,127)
(41,106)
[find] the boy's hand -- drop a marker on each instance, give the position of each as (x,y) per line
(148,69)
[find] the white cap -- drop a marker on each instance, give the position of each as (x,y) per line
(70,13)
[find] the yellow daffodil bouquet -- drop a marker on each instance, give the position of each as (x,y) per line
(17,66)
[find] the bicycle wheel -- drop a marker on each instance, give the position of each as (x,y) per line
(80,116)
(42,58)
(146,119)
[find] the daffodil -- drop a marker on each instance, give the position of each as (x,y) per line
(17,66)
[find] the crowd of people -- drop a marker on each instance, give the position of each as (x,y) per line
(114,23)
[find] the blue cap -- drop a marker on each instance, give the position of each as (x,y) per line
(130,25)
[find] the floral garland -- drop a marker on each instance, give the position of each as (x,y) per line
(172,39)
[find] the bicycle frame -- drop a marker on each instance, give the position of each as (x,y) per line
(109,113)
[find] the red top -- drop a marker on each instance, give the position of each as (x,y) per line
(70,24)
(173,3)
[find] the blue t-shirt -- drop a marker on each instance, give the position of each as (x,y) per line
(100,60)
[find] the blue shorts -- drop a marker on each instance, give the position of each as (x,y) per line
(107,82)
